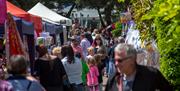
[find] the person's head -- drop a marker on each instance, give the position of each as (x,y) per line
(102,50)
(98,40)
(57,51)
(125,58)
(118,40)
(42,50)
(67,51)
(149,47)
(17,65)
(91,51)
(96,31)
(98,58)
(77,32)
(91,61)
(82,30)
(82,36)
(74,41)
(121,40)
(73,26)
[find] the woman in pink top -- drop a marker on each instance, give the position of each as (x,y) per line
(76,47)
(92,76)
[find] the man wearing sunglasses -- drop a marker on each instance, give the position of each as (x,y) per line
(133,77)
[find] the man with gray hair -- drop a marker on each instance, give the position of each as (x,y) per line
(133,77)
(17,67)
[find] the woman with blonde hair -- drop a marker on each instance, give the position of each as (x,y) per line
(57,52)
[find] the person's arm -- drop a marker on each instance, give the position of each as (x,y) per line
(31,78)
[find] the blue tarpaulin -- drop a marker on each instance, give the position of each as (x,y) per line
(48,27)
(52,28)
(24,27)
(59,29)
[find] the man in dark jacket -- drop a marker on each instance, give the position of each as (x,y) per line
(133,77)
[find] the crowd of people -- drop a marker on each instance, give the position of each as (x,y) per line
(80,64)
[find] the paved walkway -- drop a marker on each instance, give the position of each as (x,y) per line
(104,82)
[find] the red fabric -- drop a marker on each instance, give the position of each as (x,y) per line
(3,11)
(37,24)
(13,38)
(16,11)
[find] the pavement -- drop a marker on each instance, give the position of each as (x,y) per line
(104,82)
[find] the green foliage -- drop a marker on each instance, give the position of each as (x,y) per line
(166,17)
(121,0)
(138,9)
(118,29)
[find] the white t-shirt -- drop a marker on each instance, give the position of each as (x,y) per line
(73,70)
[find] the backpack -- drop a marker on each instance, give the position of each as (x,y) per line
(18,85)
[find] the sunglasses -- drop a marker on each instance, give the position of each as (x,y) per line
(122,60)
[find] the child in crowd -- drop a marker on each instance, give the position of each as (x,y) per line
(92,76)
(100,65)
(90,52)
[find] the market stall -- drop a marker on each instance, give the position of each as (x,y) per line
(14,10)
(49,15)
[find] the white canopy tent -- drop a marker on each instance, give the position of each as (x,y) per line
(49,15)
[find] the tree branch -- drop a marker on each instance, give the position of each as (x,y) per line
(69,12)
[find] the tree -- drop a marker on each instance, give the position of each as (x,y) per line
(138,8)
(24,4)
(62,2)
(95,4)
(107,5)
(163,15)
